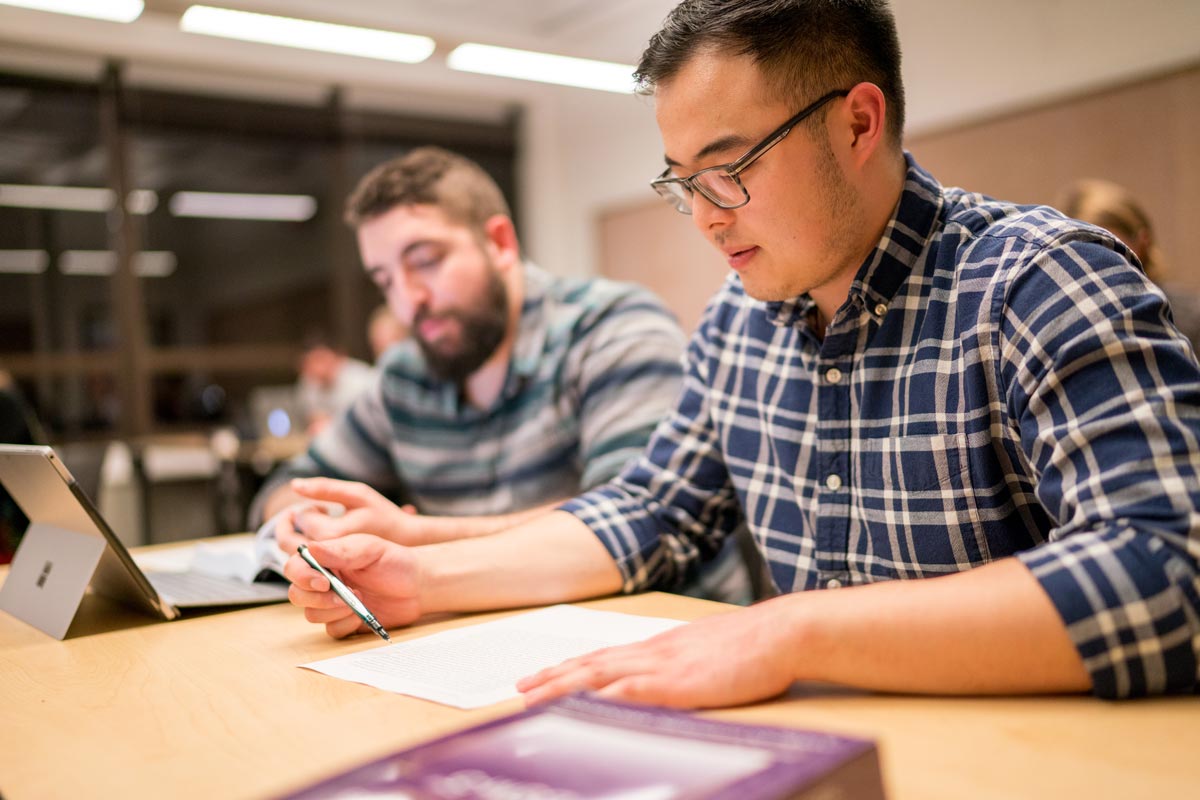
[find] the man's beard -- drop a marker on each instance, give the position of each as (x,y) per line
(481,331)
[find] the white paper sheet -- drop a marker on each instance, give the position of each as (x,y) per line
(480,664)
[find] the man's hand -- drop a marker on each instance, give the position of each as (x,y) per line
(382,574)
(367,511)
(725,660)
(942,636)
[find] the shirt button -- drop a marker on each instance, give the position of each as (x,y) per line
(880,309)
(833,583)
(834,375)
(833,482)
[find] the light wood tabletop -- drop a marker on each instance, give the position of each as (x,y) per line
(213,706)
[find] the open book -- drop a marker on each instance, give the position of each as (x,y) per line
(585,747)
(232,557)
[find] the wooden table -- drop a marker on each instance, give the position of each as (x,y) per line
(214,707)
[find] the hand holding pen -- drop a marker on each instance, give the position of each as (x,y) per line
(341,590)
(383,574)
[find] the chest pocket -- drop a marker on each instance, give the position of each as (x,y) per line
(919,505)
(914,463)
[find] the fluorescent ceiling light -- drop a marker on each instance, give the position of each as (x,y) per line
(112,10)
(24,262)
(73,198)
(141,201)
(146,264)
(530,66)
(307,34)
(225,205)
(154,263)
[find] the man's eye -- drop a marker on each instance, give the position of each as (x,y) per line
(424,260)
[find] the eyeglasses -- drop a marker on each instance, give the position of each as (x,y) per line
(721,185)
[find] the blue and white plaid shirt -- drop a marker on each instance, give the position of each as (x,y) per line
(1001,381)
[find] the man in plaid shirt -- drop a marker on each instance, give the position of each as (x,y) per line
(899,381)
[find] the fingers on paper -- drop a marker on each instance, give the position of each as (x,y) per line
(650,688)
(594,672)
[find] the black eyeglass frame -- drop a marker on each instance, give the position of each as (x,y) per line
(663,183)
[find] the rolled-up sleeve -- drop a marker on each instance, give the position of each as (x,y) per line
(1106,395)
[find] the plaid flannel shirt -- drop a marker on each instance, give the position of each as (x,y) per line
(1000,382)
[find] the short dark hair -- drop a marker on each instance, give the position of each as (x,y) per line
(804,48)
(428,176)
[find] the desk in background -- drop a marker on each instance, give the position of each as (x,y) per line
(202,485)
(214,706)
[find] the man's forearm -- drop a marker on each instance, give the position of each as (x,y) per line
(992,630)
(552,559)
(434,530)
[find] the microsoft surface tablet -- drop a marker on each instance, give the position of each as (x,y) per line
(69,545)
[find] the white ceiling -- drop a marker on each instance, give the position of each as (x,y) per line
(963,59)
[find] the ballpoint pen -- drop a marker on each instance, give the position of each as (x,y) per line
(347,596)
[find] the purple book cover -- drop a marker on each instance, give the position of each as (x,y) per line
(583,747)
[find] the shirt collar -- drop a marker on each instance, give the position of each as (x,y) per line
(905,238)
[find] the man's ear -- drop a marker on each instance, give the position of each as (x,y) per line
(863,118)
(501,241)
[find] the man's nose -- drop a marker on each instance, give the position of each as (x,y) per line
(708,216)
(411,295)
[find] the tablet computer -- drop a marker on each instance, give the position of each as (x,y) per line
(69,547)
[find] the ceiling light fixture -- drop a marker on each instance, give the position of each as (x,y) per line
(226,205)
(307,34)
(544,67)
(24,262)
(112,10)
(73,198)
(146,263)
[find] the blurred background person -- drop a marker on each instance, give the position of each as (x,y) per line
(516,389)
(384,330)
(1113,208)
(329,382)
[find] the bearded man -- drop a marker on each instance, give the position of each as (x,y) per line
(515,391)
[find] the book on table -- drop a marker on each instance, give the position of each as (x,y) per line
(584,747)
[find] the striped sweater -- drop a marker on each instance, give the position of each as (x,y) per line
(595,366)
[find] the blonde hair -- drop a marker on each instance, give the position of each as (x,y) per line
(1111,206)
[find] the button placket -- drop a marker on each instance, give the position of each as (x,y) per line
(833,434)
